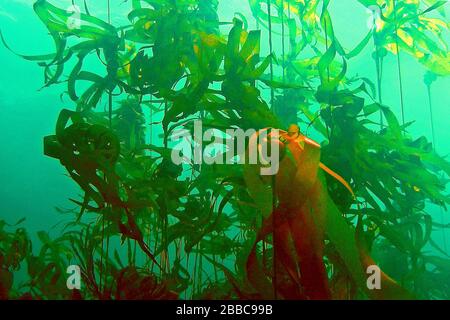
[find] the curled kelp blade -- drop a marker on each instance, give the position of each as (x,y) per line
(347,242)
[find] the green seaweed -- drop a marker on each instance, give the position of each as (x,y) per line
(145,228)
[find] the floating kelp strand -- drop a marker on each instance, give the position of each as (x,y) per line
(138,171)
(156,240)
(216,276)
(164,220)
(109,11)
(378,65)
(110,98)
(187,268)
(289,21)
(110,105)
(200,269)
(272,92)
(379,73)
(328,74)
(282,41)
(110,127)
(258,27)
(274,245)
(101,255)
(151,143)
(134,253)
(429,79)
(166,107)
(110,108)
(107,259)
(430,105)
(399,67)
(151,119)
(327,46)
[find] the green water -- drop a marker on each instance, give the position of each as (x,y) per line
(33,185)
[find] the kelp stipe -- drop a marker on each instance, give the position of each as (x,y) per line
(145,228)
(428,80)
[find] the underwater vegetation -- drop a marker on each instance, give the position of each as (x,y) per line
(145,228)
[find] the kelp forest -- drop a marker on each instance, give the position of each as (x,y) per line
(361,190)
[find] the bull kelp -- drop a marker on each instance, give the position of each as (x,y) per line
(142,226)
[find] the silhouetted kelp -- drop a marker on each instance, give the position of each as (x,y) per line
(160,233)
